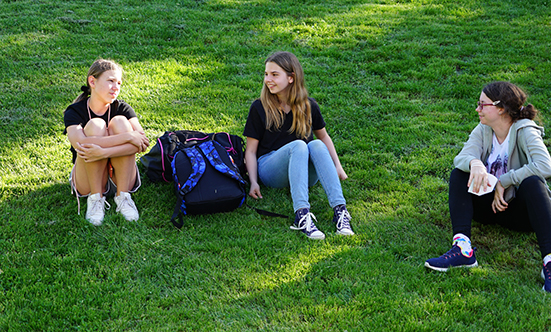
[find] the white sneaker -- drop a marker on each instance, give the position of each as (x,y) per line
(95,209)
(126,206)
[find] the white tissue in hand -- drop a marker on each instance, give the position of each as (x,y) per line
(492,179)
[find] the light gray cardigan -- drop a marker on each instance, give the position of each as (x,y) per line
(527,154)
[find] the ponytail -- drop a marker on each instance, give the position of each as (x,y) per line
(511,98)
(528,112)
(85,93)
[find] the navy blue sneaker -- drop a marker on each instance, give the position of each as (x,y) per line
(453,258)
(342,218)
(304,223)
(546,275)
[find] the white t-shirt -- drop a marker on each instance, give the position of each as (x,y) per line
(498,159)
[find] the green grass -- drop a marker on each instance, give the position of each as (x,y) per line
(397,82)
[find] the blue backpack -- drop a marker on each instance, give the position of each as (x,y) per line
(206,180)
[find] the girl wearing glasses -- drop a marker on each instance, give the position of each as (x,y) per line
(281,150)
(506,146)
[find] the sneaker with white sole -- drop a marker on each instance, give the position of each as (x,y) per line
(126,206)
(304,223)
(453,258)
(342,219)
(95,209)
(546,275)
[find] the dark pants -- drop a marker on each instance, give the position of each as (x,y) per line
(529,211)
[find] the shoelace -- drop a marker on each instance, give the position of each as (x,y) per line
(74,191)
(344,220)
(102,205)
(306,223)
(450,252)
(126,201)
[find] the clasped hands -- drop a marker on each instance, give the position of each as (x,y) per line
(91,152)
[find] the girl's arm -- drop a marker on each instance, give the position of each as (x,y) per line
(93,148)
(323,136)
(537,155)
(75,134)
(136,125)
(252,167)
(472,149)
(90,152)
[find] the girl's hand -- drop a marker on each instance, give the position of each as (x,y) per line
(478,176)
(90,152)
(499,203)
(341,173)
(138,139)
(254,192)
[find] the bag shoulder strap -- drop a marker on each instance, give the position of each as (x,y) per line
(198,167)
(214,159)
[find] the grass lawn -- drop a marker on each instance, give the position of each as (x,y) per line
(397,83)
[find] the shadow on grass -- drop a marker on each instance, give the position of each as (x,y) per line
(241,271)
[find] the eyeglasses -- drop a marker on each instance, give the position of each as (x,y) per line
(481,105)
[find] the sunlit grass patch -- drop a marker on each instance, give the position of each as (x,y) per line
(397,83)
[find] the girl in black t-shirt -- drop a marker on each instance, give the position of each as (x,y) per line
(281,150)
(105,136)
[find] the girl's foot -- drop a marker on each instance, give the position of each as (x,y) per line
(95,209)
(546,275)
(342,218)
(304,223)
(453,258)
(126,206)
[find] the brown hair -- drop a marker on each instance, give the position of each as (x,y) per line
(511,98)
(297,98)
(96,69)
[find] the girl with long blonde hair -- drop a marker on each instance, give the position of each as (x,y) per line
(281,149)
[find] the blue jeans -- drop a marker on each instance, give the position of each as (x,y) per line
(299,165)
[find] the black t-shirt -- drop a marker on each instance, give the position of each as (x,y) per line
(77,114)
(273,139)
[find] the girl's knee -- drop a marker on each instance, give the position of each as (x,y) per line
(119,124)
(298,144)
(532,182)
(459,174)
(95,127)
(298,147)
(316,144)
(318,148)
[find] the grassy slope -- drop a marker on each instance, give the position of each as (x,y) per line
(397,82)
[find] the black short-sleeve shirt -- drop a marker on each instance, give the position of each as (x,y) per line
(273,139)
(77,114)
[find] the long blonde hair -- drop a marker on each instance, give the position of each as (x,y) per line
(96,69)
(297,97)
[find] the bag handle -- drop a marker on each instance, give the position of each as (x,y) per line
(177,213)
(267,213)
